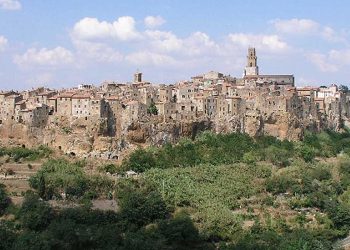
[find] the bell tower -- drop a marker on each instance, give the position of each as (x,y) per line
(252,68)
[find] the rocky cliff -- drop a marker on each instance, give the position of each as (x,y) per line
(93,137)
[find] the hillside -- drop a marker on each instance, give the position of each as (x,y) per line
(219,191)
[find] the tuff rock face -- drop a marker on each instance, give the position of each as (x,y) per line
(93,138)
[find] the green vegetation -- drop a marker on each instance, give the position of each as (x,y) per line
(4,199)
(60,177)
(108,168)
(67,130)
(152,109)
(262,193)
(143,222)
(18,153)
(209,148)
(215,192)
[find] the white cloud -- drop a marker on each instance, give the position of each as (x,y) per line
(308,27)
(322,62)
(125,28)
(152,22)
(10,5)
(44,57)
(149,58)
(331,35)
(91,28)
(296,26)
(3,43)
(164,41)
(199,43)
(269,42)
(332,61)
(341,57)
(96,51)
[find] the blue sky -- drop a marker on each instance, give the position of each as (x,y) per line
(65,43)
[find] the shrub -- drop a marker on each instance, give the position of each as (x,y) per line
(34,214)
(4,199)
(59,176)
(139,161)
(110,168)
(278,156)
(307,153)
(279,184)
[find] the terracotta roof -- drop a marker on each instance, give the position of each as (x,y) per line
(307,88)
(112,98)
(66,95)
(53,97)
(47,93)
(81,96)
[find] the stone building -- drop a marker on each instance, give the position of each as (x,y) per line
(34,116)
(8,102)
(81,105)
(64,104)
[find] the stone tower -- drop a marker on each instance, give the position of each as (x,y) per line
(137,77)
(252,68)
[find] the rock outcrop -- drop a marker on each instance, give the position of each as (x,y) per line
(91,138)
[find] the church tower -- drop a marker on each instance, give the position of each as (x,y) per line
(137,77)
(252,68)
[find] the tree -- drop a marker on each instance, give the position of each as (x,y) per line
(152,109)
(179,231)
(174,99)
(4,199)
(34,214)
(7,236)
(343,88)
(142,207)
(140,160)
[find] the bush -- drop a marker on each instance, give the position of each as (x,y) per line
(278,156)
(4,199)
(34,213)
(279,184)
(307,153)
(7,236)
(141,208)
(18,153)
(59,176)
(110,168)
(139,161)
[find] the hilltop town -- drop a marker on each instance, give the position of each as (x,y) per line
(106,120)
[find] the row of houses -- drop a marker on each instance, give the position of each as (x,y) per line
(211,95)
